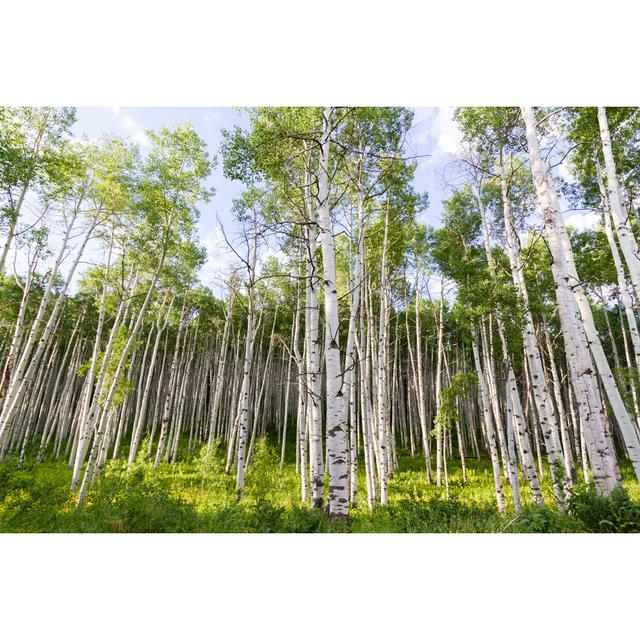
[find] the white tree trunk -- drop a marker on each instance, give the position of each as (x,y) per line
(313,376)
(337,455)
(243,423)
(488,422)
(628,242)
(541,394)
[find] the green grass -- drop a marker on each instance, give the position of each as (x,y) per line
(195,496)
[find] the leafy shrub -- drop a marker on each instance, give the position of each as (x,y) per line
(440,516)
(615,514)
(304,520)
(543,520)
(264,517)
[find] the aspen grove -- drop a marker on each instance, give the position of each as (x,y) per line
(345,337)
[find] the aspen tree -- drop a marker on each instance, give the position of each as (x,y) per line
(337,455)
(488,422)
(247,208)
(34,153)
(628,242)
(439,426)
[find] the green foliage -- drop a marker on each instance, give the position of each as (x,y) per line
(168,189)
(628,379)
(616,514)
(459,386)
(491,128)
(543,520)
(538,277)
(134,500)
(33,496)
(593,258)
(581,127)
(457,248)
(34,153)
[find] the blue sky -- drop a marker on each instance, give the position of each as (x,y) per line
(433,134)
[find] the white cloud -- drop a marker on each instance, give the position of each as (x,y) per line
(211,115)
(422,117)
(445,131)
(563,172)
(434,133)
(583,221)
(128,126)
(141,138)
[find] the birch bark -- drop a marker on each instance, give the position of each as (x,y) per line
(337,455)
(628,243)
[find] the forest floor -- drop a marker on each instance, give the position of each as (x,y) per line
(196,496)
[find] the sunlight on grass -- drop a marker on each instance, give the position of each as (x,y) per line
(197,496)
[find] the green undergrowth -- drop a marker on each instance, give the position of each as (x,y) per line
(195,495)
